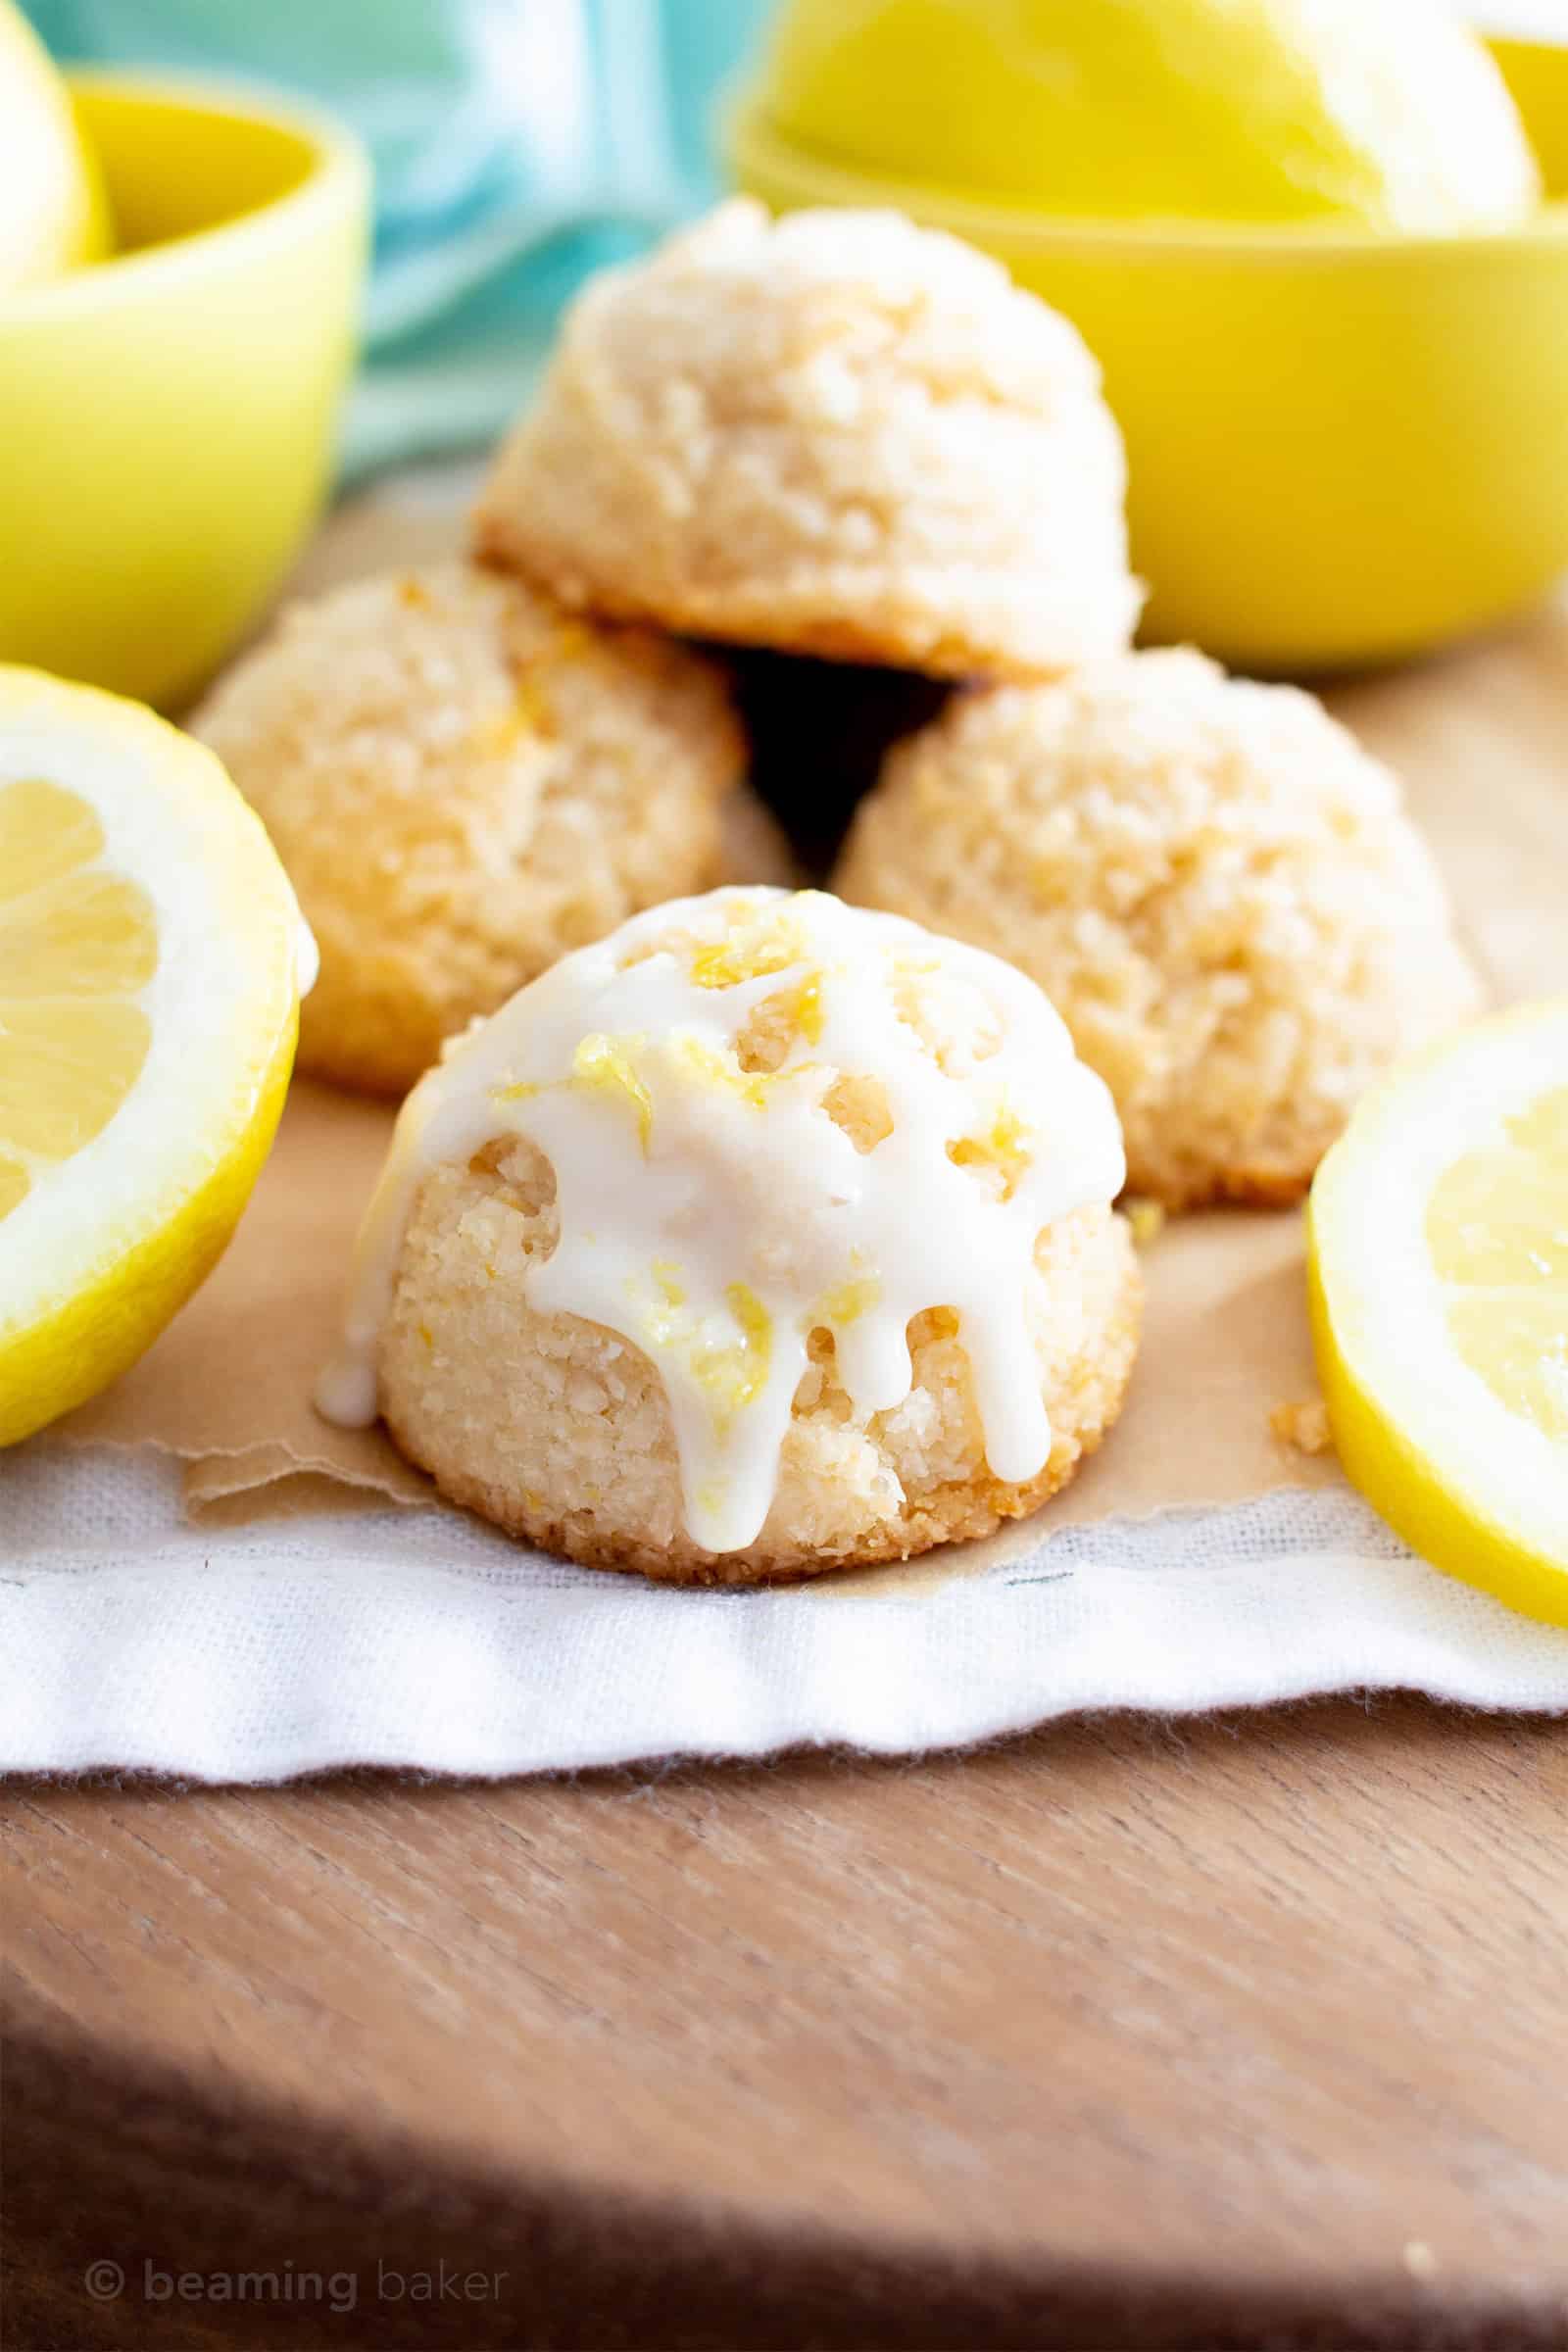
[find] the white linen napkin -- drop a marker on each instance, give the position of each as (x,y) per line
(131,1638)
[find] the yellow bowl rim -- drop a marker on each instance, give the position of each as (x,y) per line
(747,138)
(338,174)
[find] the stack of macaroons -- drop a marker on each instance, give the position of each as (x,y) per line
(838,438)
(841,435)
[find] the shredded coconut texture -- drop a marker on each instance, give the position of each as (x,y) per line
(463,783)
(1216,887)
(837,433)
(561,1432)
(1303,1425)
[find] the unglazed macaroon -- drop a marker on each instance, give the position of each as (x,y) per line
(767,1237)
(1216,887)
(463,783)
(836,433)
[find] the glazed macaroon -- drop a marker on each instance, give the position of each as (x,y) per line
(766,1238)
(464,782)
(1217,888)
(837,433)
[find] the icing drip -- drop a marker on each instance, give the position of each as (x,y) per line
(769,1115)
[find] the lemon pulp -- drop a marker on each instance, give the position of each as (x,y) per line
(77,943)
(1498,1230)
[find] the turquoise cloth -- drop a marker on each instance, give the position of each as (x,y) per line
(517,144)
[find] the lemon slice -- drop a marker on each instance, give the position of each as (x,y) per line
(53,212)
(1438,1277)
(149,955)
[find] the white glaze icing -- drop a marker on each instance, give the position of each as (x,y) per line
(715,1214)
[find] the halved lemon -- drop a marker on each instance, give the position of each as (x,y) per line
(1439,1281)
(1392,115)
(150,955)
(54,214)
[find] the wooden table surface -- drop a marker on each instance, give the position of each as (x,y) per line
(1253,2031)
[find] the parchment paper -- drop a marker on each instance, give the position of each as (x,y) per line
(228,1385)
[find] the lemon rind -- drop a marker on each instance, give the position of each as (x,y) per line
(102,1251)
(1475,1490)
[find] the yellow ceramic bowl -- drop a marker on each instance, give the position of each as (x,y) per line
(1343,448)
(167,416)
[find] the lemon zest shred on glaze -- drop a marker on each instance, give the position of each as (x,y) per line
(771,943)
(1004,1147)
(847,1300)
(732,1374)
(607,1065)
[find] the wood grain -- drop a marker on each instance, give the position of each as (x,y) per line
(1115,2028)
